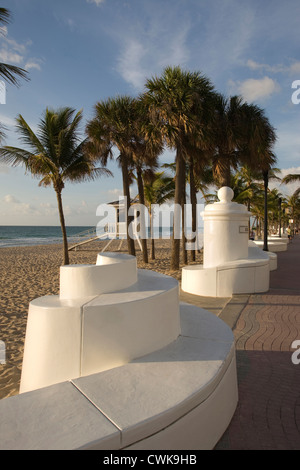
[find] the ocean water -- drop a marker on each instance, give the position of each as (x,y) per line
(19,235)
(15,235)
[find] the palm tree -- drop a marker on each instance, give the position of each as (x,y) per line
(10,72)
(256,150)
(145,153)
(227,135)
(200,177)
(159,188)
(292,178)
(293,209)
(275,199)
(113,127)
(172,167)
(294,200)
(247,187)
(244,183)
(177,100)
(242,135)
(55,154)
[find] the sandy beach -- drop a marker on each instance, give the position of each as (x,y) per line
(30,272)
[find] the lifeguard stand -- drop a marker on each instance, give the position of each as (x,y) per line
(112,230)
(117,230)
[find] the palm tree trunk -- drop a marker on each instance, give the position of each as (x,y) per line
(249,228)
(142,213)
(63,228)
(179,191)
(151,233)
(184,240)
(266,183)
(193,198)
(129,219)
(279,215)
(226,173)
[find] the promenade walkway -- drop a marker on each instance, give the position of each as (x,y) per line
(265,326)
(268,413)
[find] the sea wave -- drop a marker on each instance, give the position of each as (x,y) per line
(14,242)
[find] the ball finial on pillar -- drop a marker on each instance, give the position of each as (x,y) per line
(225,194)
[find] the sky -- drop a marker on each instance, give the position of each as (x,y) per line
(79,52)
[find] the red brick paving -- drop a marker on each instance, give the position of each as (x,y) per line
(268,413)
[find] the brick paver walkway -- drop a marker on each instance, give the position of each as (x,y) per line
(268,412)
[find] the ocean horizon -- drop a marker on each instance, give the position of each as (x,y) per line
(30,235)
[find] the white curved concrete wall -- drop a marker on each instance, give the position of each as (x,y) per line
(109,274)
(274,246)
(89,328)
(122,326)
(236,277)
(111,257)
(182,396)
(231,264)
(52,343)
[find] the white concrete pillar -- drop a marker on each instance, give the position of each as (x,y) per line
(225,230)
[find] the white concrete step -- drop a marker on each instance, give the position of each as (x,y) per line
(112,271)
(66,338)
(182,396)
(121,326)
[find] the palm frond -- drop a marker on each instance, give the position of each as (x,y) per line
(291,178)
(83,171)
(42,165)
(10,72)
(5,16)
(46,181)
(15,156)
(27,136)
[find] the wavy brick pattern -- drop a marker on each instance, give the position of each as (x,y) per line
(268,413)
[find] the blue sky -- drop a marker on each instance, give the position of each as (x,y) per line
(79,52)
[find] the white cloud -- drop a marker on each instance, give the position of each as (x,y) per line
(97,2)
(255,89)
(147,51)
(13,52)
(130,63)
(7,121)
(3,30)
(4,169)
(7,56)
(295,68)
(116,192)
(20,208)
(288,143)
(10,199)
(32,64)
(278,68)
(17,46)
